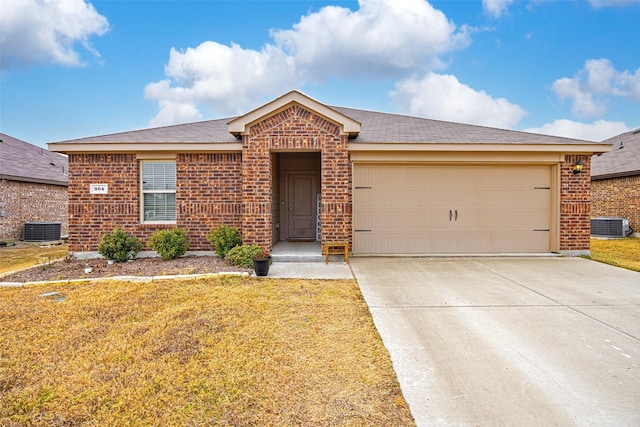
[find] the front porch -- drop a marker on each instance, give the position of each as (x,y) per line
(287,251)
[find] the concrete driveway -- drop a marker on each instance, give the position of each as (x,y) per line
(509,341)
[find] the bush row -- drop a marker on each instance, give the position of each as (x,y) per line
(120,246)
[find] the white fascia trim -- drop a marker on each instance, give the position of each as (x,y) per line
(193,147)
(475,147)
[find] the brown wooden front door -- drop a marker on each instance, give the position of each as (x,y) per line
(302,213)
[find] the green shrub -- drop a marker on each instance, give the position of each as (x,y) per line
(169,244)
(119,246)
(242,256)
(223,239)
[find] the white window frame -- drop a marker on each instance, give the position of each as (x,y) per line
(143,192)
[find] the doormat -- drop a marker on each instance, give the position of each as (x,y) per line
(301,240)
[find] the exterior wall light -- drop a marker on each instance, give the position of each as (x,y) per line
(577,167)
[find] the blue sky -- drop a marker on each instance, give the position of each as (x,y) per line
(72,68)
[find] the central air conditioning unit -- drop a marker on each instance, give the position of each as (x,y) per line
(41,231)
(610,227)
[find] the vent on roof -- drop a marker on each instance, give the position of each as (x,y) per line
(41,231)
(610,227)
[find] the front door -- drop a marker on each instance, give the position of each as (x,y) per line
(302,190)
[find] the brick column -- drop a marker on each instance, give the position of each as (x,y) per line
(575,206)
(256,191)
(336,191)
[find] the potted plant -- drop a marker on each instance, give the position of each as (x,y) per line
(261,262)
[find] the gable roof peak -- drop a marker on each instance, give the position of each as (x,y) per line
(348,126)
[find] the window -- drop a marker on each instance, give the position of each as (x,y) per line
(158,191)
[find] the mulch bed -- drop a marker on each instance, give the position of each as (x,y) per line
(71,268)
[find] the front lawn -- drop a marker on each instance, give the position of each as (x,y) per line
(25,255)
(230,351)
(623,253)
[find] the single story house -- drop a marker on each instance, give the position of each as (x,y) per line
(33,187)
(615,180)
(296,169)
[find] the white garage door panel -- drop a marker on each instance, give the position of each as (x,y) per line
(451,209)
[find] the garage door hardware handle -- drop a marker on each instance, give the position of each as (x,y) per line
(450,214)
(541,229)
(357,231)
(456,214)
(363,188)
(542,188)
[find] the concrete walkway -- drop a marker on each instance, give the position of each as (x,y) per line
(509,341)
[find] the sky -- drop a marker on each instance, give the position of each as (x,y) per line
(73,68)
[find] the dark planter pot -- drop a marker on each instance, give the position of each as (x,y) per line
(261,266)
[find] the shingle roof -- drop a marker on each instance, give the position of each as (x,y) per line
(396,128)
(376,128)
(210,131)
(21,161)
(622,160)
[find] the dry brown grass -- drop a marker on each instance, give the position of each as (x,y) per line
(623,253)
(232,351)
(26,255)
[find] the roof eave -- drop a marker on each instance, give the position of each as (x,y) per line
(615,175)
(34,180)
(481,147)
(137,147)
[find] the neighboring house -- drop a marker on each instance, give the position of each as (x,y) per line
(33,187)
(615,180)
(296,169)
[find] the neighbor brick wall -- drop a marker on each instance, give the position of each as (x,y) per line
(618,198)
(295,128)
(27,201)
(575,204)
(207,195)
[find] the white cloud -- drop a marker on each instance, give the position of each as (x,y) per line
(590,87)
(599,4)
(443,97)
(383,38)
(496,8)
(175,112)
(596,131)
(226,78)
(33,31)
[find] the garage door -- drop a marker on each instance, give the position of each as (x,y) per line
(419,209)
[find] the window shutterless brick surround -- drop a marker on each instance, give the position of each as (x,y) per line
(618,198)
(208,193)
(236,189)
(22,202)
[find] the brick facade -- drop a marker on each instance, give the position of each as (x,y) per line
(618,198)
(246,188)
(23,202)
(207,194)
(575,205)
